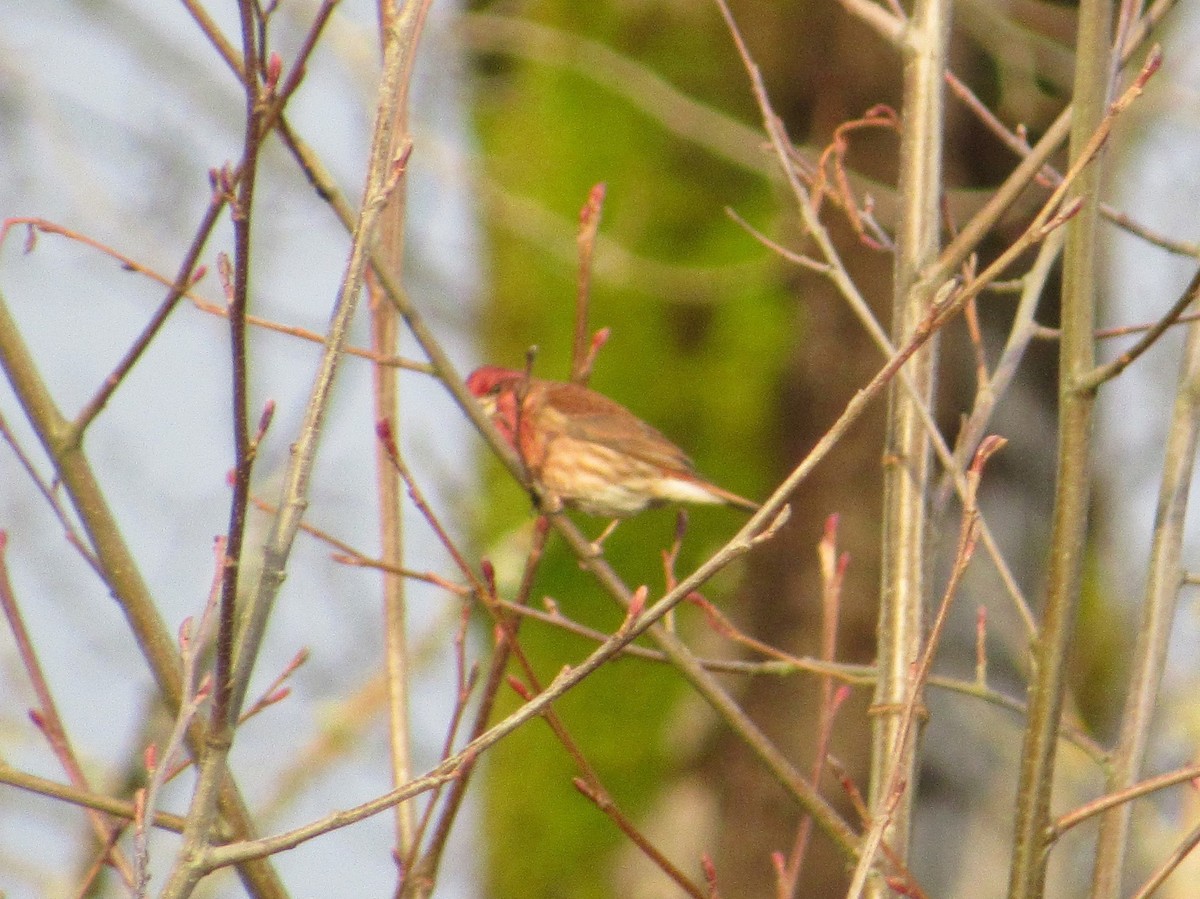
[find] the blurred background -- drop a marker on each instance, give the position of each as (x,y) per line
(113,113)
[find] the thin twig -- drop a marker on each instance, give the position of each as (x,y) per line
(593,787)
(1164,578)
(833,574)
(898,775)
(428,866)
(50,494)
(1020,334)
(265,119)
(604,802)
(846,287)
(1110,370)
(589,225)
(1121,797)
(50,723)
(239,195)
(1181,851)
(193,643)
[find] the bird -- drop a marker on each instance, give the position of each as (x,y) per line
(587,451)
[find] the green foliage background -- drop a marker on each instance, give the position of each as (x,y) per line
(701,321)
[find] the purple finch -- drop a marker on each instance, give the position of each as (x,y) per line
(587,451)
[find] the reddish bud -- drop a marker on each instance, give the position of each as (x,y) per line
(778,862)
(831,526)
(582,786)
(277,695)
(843,564)
(637,604)
(710,872)
(599,339)
(519,688)
(591,206)
(274,70)
(264,420)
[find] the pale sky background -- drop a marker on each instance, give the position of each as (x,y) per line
(113,113)
(89,140)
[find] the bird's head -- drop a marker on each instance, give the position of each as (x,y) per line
(490,380)
(496,388)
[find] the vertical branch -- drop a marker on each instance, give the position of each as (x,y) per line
(202,813)
(1158,610)
(240,207)
(384,171)
(1068,534)
(384,340)
(907,446)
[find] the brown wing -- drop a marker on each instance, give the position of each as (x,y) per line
(586,415)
